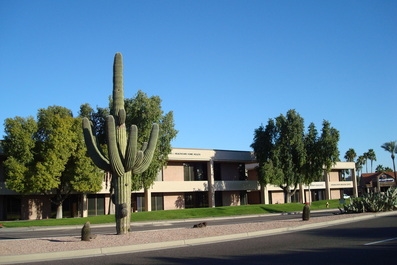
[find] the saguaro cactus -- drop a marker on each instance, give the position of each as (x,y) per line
(124,157)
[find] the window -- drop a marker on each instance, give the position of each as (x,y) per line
(242,173)
(217,171)
(13,207)
(195,171)
(196,200)
(96,205)
(157,202)
(140,203)
(243,197)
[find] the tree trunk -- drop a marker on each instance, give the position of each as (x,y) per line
(59,211)
(122,201)
(287,195)
(394,169)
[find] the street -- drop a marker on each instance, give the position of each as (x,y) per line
(372,241)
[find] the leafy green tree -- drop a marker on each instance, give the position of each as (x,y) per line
(263,145)
(371,156)
(283,164)
(287,156)
(142,111)
(392,148)
(48,155)
(313,166)
(97,119)
(329,151)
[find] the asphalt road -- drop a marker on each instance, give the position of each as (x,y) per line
(373,241)
(23,233)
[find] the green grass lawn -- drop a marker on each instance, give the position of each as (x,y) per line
(179,214)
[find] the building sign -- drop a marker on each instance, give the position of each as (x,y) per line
(186,154)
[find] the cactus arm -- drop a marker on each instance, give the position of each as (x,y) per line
(142,164)
(92,148)
(131,152)
(114,154)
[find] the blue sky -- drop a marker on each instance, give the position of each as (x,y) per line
(223,67)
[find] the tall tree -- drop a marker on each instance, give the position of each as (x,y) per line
(365,156)
(350,155)
(371,156)
(287,156)
(283,165)
(329,145)
(263,145)
(144,111)
(391,147)
(50,155)
(359,164)
(313,166)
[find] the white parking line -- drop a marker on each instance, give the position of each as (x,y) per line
(381,241)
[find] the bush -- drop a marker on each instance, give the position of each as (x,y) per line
(373,202)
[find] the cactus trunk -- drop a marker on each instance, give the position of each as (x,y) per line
(123,157)
(306,212)
(122,201)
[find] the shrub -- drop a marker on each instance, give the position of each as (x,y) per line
(373,202)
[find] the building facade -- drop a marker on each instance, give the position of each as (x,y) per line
(193,178)
(376,182)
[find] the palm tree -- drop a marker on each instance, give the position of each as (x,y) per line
(365,156)
(392,148)
(371,156)
(350,155)
(359,164)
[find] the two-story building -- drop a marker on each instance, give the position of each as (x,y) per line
(192,178)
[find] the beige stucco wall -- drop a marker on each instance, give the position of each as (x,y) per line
(334,176)
(174,201)
(35,208)
(335,194)
(173,172)
(277,197)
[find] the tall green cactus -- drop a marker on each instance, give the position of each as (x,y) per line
(124,157)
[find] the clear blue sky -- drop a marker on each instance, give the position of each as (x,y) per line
(223,67)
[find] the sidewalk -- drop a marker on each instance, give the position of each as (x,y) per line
(56,248)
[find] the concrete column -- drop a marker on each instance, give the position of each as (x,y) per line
(264,194)
(84,205)
(354,179)
(302,194)
(327,186)
(211,181)
(148,200)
